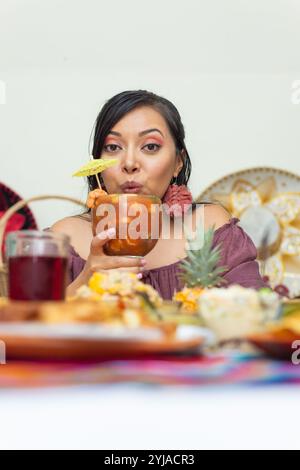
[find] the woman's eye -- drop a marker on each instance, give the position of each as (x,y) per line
(111,147)
(153,147)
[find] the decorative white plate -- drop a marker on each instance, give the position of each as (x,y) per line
(267,202)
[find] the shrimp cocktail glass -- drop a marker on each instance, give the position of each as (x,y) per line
(136,218)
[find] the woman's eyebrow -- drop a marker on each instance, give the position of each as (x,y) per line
(147,131)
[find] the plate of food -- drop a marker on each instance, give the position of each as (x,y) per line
(114,316)
(277,344)
(280,338)
(35,340)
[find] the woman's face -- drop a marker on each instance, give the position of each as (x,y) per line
(144,147)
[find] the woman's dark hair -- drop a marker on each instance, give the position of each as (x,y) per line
(119,105)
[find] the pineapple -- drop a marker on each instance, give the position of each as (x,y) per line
(199,270)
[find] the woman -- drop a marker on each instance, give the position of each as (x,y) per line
(145,133)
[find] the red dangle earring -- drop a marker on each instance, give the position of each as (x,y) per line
(177,199)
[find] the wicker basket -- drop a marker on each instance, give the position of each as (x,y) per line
(3,221)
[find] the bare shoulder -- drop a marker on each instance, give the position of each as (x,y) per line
(67,225)
(214,215)
(78,228)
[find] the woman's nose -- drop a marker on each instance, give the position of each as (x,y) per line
(130,164)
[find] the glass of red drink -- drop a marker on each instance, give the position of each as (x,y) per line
(37,265)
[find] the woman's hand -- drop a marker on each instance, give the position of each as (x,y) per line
(98,261)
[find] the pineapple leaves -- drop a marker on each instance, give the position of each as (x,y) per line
(200,268)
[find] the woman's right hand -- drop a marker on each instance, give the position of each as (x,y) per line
(98,261)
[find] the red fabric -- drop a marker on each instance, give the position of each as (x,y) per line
(16,222)
(22,220)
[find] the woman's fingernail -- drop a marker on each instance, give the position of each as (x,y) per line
(101,235)
(111,232)
(140,275)
(143,262)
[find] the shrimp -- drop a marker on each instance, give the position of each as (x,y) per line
(93,196)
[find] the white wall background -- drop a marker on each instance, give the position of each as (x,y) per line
(227,65)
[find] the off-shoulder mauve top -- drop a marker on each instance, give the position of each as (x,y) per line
(238,254)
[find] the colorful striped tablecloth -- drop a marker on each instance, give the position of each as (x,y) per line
(230,368)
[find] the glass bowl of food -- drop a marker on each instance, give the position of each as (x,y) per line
(136,218)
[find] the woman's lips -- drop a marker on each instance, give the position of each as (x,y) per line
(132,190)
(131,187)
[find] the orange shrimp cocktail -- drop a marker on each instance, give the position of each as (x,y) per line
(136,218)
